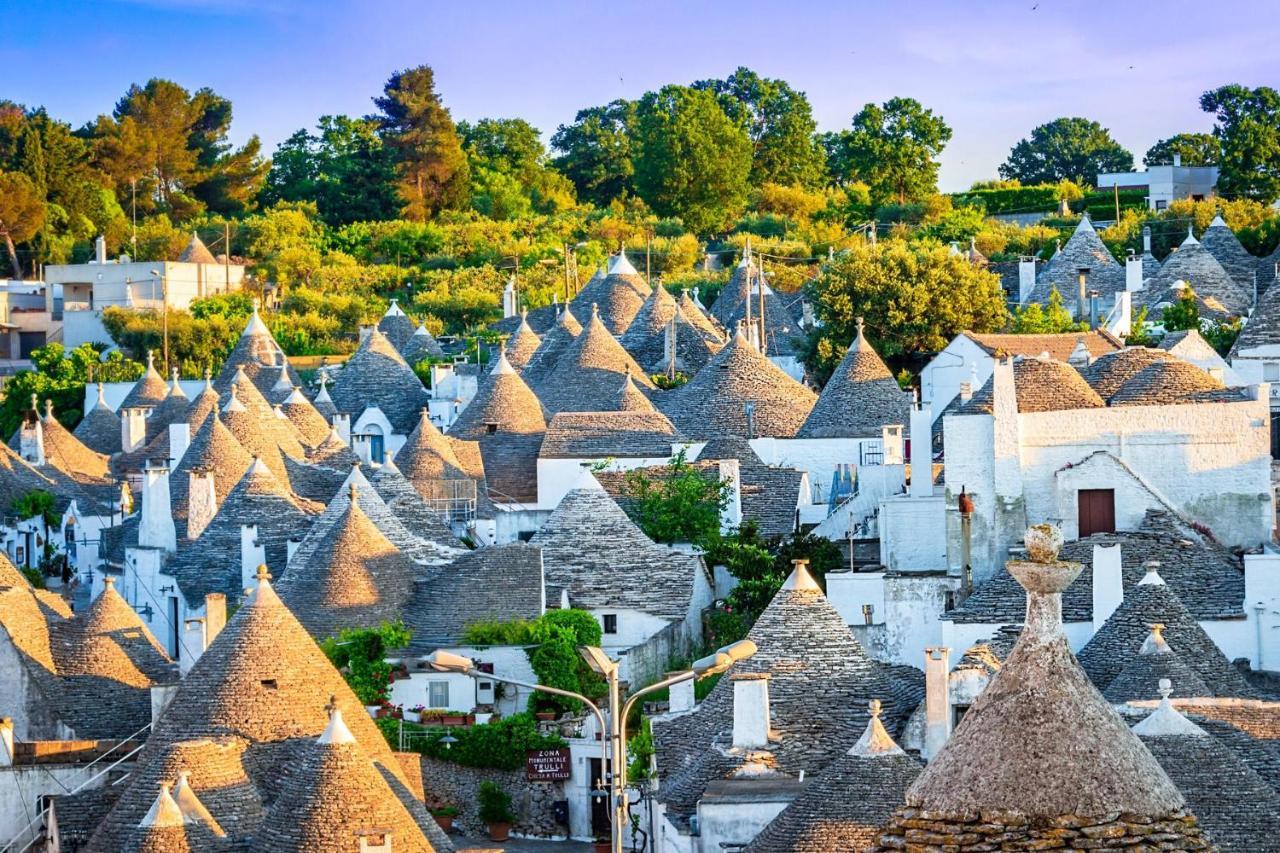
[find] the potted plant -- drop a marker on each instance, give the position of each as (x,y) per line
(601,844)
(414,714)
(444,816)
(495,810)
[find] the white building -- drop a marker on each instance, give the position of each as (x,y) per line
(1165,183)
(88,289)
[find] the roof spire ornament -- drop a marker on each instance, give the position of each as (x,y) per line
(262,575)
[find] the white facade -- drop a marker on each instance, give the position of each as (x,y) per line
(1167,183)
(89,288)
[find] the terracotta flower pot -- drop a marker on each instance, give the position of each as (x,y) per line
(546,716)
(601,847)
(445,821)
(499,831)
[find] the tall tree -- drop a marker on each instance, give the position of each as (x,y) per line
(424,142)
(779,121)
(893,148)
(595,152)
(691,160)
(343,168)
(1248,127)
(509,171)
(22,212)
(1194,149)
(173,144)
(1066,149)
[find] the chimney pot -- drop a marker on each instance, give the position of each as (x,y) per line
(750,710)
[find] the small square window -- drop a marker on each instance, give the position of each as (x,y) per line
(611,623)
(438,694)
(1271,371)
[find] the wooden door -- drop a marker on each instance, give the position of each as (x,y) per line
(1097,511)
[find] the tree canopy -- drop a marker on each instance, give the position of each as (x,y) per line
(1066,149)
(1194,149)
(892,148)
(343,169)
(1247,125)
(595,151)
(691,160)
(420,134)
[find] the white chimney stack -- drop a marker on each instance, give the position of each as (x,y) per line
(252,555)
(1133,280)
(6,742)
(937,700)
(133,428)
(100,250)
(202,502)
(1108,583)
(195,639)
(921,451)
(509,298)
(179,441)
(731,515)
(1026,279)
(31,439)
(292,548)
(1146,239)
(342,423)
(750,710)
(155,528)
(215,615)
(681,695)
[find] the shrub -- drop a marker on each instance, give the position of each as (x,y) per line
(495,803)
(500,745)
(360,652)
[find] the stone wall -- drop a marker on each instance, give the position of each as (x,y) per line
(919,829)
(448,784)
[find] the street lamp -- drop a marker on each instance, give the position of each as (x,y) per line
(717,662)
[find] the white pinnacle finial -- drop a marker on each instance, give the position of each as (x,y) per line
(336,732)
(1152,577)
(151,360)
(164,811)
(1167,720)
(1191,237)
(800,579)
(875,741)
(1155,643)
(102,399)
(502,366)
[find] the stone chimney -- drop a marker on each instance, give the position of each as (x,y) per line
(937,699)
(681,695)
(1082,293)
(292,548)
(966,392)
(202,502)
(1133,280)
(921,451)
(1026,279)
(215,615)
(1146,239)
(731,515)
(1108,583)
(195,639)
(100,250)
(342,423)
(179,441)
(155,528)
(161,696)
(750,710)
(1080,356)
(252,554)
(1177,159)
(31,436)
(133,428)
(509,299)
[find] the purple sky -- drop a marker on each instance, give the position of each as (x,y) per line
(994,70)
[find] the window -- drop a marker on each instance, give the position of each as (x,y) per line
(611,623)
(1096,511)
(438,694)
(1161,204)
(1271,371)
(957,714)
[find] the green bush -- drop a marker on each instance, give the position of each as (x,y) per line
(495,803)
(359,653)
(500,745)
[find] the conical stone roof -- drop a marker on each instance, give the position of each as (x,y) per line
(258,355)
(172,409)
(586,376)
(631,399)
(213,448)
(1168,382)
(860,398)
(504,399)
(845,806)
(250,418)
(67,454)
(712,403)
(421,344)
(377,375)
(645,338)
(310,424)
(618,296)
(1109,372)
(1123,634)
(396,326)
(523,344)
(807,650)
(263,680)
(354,578)
(1040,755)
(149,390)
(110,641)
(1084,249)
(1217,292)
(408,505)
(1155,661)
(99,429)
(427,459)
(554,344)
(203,405)
(696,314)
(196,252)
(1221,242)
(331,795)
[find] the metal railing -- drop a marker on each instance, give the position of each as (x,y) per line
(454,499)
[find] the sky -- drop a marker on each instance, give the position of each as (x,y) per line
(993,70)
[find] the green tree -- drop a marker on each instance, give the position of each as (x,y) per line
(60,375)
(22,213)
(594,152)
(779,122)
(1194,149)
(173,144)
(343,169)
(1247,124)
(681,505)
(893,149)
(691,160)
(509,173)
(1073,149)
(915,297)
(1183,314)
(424,142)
(1048,319)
